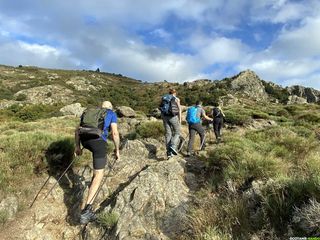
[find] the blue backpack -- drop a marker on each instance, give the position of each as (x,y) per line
(169,106)
(192,117)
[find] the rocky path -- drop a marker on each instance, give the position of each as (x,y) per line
(148,194)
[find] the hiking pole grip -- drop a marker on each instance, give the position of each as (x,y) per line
(60,177)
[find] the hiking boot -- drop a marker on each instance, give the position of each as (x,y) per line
(174,151)
(169,155)
(87,215)
(189,154)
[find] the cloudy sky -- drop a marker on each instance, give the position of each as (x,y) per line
(173,40)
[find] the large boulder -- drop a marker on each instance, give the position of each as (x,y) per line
(124,111)
(294,99)
(73,109)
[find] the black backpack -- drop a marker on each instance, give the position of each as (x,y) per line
(216,112)
(92,122)
(169,106)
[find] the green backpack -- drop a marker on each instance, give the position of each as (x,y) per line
(92,122)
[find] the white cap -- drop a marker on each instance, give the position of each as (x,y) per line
(107,104)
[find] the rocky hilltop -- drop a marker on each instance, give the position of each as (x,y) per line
(32,85)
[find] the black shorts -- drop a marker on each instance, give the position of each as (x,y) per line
(98,148)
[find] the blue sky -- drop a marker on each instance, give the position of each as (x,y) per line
(177,41)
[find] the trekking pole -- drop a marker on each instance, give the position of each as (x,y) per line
(39,191)
(182,144)
(203,140)
(61,176)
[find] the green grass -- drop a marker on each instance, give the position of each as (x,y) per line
(283,161)
(107,219)
(3,217)
(152,129)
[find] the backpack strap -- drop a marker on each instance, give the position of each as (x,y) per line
(107,123)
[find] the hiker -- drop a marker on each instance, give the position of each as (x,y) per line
(218,119)
(171,115)
(194,116)
(97,145)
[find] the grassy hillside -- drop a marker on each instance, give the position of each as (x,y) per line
(262,182)
(89,87)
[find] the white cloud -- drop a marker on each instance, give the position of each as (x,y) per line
(61,37)
(300,42)
(17,52)
(223,50)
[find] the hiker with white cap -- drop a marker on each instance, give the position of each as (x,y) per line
(95,123)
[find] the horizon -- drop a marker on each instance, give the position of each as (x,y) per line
(146,82)
(174,41)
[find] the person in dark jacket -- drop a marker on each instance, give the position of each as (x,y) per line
(218,119)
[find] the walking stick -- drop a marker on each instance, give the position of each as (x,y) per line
(184,140)
(45,183)
(61,177)
(203,140)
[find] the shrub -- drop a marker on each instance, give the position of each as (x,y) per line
(241,159)
(152,129)
(238,116)
(260,115)
(33,112)
(21,97)
(107,219)
(5,93)
(280,200)
(309,117)
(3,216)
(306,219)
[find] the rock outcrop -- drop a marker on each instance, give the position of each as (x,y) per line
(311,95)
(124,111)
(73,109)
(294,99)
(149,196)
(250,85)
(48,94)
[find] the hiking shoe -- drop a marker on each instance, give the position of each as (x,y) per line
(169,155)
(87,215)
(175,152)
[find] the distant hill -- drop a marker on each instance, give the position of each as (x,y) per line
(33,85)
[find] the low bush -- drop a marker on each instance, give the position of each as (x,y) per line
(32,112)
(152,129)
(108,219)
(3,217)
(21,97)
(237,116)
(260,115)
(309,117)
